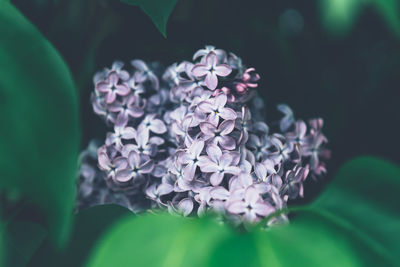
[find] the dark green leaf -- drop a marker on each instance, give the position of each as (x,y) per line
(364,197)
(39,128)
(23,239)
(89,226)
(158,10)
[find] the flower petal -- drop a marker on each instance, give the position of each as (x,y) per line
(205,106)
(199,70)
(227,114)
(124,175)
(226,127)
(227,142)
(147,167)
(236,207)
(216,178)
(208,129)
(196,148)
(189,171)
(263,209)
(220,101)
(185,206)
(223,70)
(219,193)
(214,152)
(157,126)
(211,80)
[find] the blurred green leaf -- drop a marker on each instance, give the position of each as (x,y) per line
(390,12)
(158,240)
(340,16)
(364,197)
(39,128)
(22,240)
(158,10)
(89,226)
(354,223)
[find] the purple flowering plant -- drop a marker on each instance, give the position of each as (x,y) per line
(192,138)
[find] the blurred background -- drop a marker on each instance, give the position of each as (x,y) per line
(335,59)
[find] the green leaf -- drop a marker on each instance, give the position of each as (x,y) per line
(339,16)
(355,222)
(158,10)
(158,240)
(39,128)
(390,12)
(23,239)
(89,226)
(364,197)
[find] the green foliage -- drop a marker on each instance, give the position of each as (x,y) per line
(23,239)
(89,225)
(365,198)
(39,129)
(354,223)
(158,240)
(158,10)
(340,16)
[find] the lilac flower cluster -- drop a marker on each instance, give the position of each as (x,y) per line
(195,140)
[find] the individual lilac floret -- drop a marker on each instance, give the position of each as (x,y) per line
(192,138)
(112,87)
(210,70)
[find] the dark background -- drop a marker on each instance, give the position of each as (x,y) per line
(351,81)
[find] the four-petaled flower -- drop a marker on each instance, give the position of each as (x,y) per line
(126,108)
(219,135)
(216,109)
(137,167)
(250,206)
(191,158)
(219,163)
(112,87)
(211,69)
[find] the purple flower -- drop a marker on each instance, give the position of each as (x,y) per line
(155,191)
(218,164)
(288,120)
(219,135)
(315,151)
(264,168)
(141,66)
(184,207)
(249,80)
(211,69)
(136,84)
(110,166)
(117,67)
(298,136)
(126,108)
(283,148)
(120,132)
(144,144)
(112,87)
(191,158)
(221,54)
(251,206)
(294,179)
(259,145)
(190,83)
(155,125)
(137,167)
(216,109)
